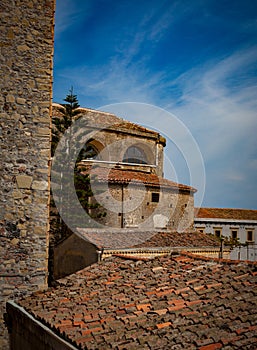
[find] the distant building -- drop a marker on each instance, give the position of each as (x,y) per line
(126,161)
(234,224)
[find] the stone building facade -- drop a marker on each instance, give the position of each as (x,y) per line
(130,196)
(26,50)
(125,164)
(141,200)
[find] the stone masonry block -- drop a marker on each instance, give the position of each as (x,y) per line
(24,181)
(40,185)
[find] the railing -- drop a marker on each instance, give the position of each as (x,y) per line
(117,163)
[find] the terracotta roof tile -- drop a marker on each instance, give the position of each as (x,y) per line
(124,176)
(183,239)
(145,308)
(226,213)
(102,120)
(127,238)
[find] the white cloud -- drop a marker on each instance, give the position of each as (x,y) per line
(221,113)
(69,13)
(216,100)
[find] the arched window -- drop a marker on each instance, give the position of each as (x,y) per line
(135,155)
(88,152)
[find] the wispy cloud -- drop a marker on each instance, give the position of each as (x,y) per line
(218,103)
(219,100)
(68,14)
(214,94)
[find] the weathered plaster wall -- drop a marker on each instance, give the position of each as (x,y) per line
(133,206)
(30,334)
(73,254)
(26,48)
(209,226)
(114,144)
(112,136)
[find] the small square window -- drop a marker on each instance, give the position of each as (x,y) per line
(155,197)
(217,232)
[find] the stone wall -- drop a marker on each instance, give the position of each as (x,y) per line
(26,49)
(133,207)
(111,136)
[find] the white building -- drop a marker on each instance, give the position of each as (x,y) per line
(237,224)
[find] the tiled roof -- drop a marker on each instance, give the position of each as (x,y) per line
(123,176)
(128,238)
(173,302)
(103,120)
(226,213)
(183,239)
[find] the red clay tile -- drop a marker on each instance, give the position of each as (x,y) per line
(241,276)
(213,285)
(121,311)
(80,324)
(224,213)
(192,281)
(143,307)
(194,302)
(230,339)
(165,292)
(176,308)
(92,330)
(211,346)
(161,311)
(178,291)
(163,325)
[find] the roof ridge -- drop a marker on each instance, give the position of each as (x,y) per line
(225,261)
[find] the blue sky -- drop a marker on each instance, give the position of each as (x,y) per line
(196,59)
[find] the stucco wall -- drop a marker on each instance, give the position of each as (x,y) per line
(28,333)
(138,209)
(26,48)
(72,255)
(113,145)
(226,228)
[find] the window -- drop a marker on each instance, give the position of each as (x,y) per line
(250,235)
(217,232)
(234,234)
(135,155)
(155,197)
(200,229)
(88,152)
